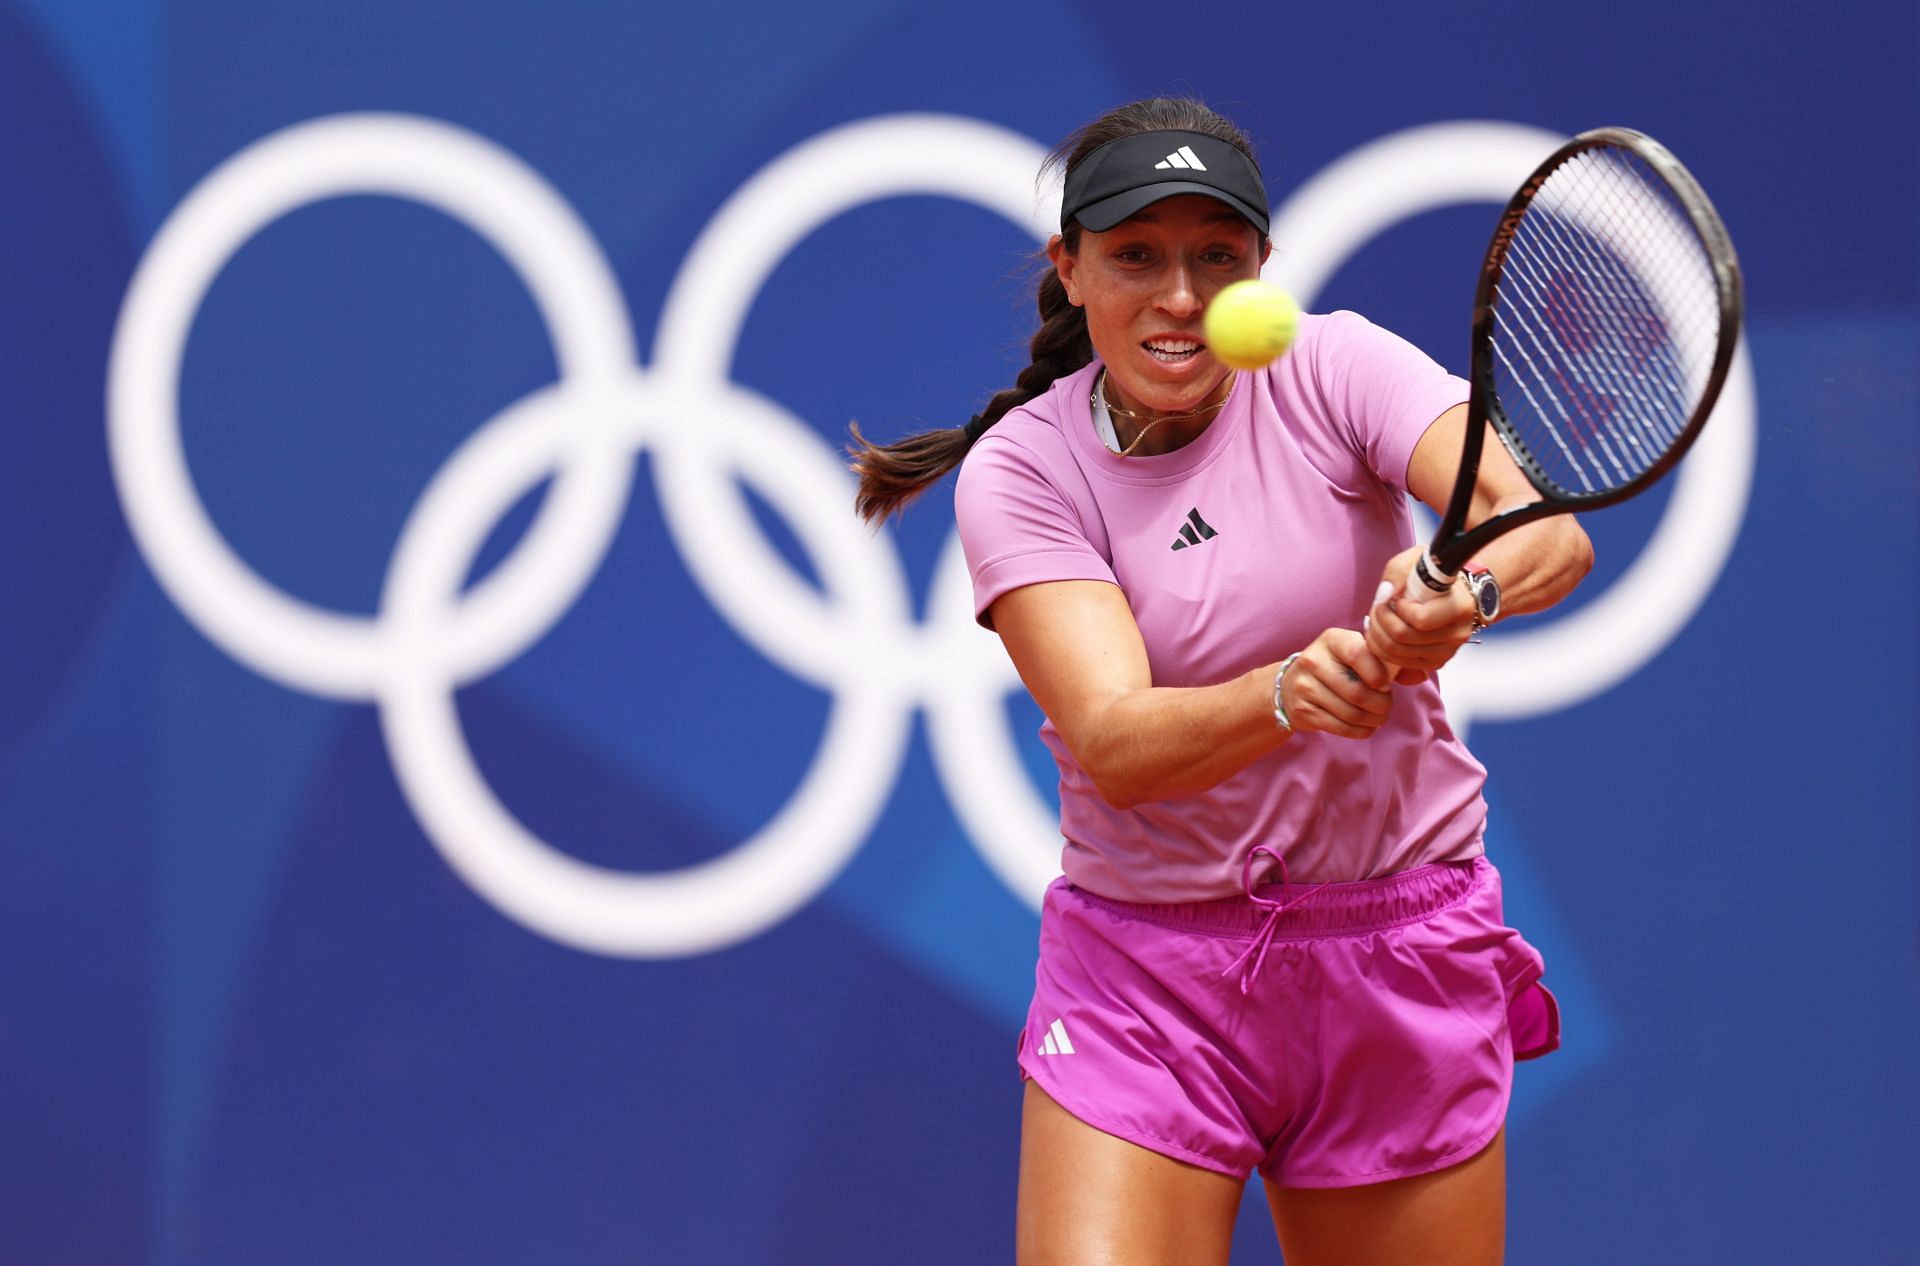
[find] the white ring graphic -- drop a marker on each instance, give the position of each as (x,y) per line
(855,636)
(960,674)
(694,909)
(497,196)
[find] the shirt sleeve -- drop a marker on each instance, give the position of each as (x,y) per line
(1017,527)
(1386,391)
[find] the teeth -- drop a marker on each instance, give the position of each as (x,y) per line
(1167,345)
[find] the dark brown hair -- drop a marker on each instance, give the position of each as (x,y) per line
(894,474)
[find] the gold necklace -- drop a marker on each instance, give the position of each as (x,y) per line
(1099,400)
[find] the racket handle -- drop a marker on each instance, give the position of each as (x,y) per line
(1425,580)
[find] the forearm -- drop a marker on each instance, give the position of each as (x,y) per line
(1161,742)
(1539,564)
(1081,655)
(1536,565)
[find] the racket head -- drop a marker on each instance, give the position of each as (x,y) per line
(1605,322)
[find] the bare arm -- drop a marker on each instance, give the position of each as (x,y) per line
(1081,655)
(1536,565)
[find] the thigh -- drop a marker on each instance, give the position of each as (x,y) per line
(1453,1217)
(1089,1198)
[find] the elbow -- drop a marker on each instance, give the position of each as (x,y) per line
(1565,558)
(1103,745)
(1581,562)
(1116,791)
(1117,786)
(1571,565)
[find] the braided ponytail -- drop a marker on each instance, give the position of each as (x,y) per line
(894,474)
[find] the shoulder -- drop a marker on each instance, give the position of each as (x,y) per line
(1022,484)
(1030,443)
(1345,361)
(1329,337)
(1343,341)
(1323,353)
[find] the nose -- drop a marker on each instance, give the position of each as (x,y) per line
(1178,296)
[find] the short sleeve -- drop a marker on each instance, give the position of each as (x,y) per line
(1385,390)
(1016,525)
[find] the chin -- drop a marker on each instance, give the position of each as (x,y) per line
(1187,389)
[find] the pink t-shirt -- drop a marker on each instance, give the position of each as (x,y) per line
(1243,546)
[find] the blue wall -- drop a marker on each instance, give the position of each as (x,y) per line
(318,936)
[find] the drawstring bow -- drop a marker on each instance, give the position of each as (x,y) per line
(1256,953)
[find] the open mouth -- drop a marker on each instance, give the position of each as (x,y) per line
(1173,351)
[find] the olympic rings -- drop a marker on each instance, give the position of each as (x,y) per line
(855,637)
(321,652)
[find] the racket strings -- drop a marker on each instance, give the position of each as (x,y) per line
(1635,306)
(1641,238)
(1606,323)
(1615,390)
(1599,332)
(1628,318)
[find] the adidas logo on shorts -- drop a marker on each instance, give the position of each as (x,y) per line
(1056,1042)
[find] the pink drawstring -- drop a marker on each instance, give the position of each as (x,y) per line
(1257,951)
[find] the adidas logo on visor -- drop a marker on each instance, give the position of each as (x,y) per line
(1184,158)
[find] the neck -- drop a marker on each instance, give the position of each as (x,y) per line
(1147,432)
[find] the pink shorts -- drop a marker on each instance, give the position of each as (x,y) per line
(1328,1035)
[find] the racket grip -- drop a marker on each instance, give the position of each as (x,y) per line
(1425,580)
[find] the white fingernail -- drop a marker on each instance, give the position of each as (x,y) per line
(1381,594)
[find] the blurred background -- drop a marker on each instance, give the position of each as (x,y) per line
(469,792)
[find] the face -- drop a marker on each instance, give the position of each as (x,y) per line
(1145,284)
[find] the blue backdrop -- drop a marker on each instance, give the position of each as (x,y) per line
(665,894)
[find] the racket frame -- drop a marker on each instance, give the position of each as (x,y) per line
(1452,547)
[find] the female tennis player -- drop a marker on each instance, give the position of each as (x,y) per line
(1276,946)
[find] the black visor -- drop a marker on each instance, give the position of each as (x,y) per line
(1136,171)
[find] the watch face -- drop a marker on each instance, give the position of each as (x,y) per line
(1486,592)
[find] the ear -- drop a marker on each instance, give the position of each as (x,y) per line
(1064,264)
(1266,248)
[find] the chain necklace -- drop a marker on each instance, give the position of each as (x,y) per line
(1099,400)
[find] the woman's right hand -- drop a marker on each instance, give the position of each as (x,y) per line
(1338,686)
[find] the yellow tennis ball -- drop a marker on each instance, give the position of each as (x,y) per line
(1250,323)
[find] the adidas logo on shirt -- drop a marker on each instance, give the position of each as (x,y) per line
(1056,1042)
(1194,530)
(1183,158)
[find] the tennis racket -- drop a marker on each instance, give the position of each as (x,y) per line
(1604,324)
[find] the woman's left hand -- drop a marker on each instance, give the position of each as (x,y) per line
(1417,637)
